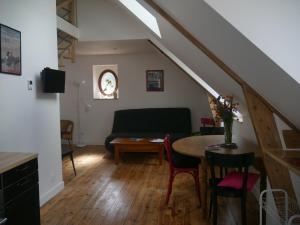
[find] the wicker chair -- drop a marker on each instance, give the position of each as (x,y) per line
(66,130)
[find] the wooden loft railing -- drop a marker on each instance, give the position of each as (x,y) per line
(66,47)
(261,111)
(67,10)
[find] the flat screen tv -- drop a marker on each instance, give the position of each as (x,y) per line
(53,80)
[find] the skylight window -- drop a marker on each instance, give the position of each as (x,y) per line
(143,14)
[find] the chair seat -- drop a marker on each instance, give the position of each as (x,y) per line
(235,180)
(66,135)
(66,151)
(224,191)
(184,161)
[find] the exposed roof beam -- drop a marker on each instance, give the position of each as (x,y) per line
(214,58)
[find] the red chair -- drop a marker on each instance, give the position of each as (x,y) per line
(179,163)
(207,121)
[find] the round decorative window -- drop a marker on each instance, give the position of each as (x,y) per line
(108,83)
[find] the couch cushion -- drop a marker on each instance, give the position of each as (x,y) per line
(153,120)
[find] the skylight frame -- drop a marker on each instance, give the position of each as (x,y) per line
(143,14)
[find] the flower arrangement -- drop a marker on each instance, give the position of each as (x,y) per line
(225,110)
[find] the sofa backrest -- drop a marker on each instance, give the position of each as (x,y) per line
(165,120)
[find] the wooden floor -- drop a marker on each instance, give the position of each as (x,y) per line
(133,192)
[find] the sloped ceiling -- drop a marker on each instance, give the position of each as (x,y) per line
(262,21)
(253,66)
(103,20)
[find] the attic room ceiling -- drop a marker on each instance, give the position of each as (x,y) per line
(114,47)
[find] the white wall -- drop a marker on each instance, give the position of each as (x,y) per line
(180,91)
(105,20)
(272,25)
(29,120)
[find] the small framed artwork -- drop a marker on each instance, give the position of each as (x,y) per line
(155,80)
(10,50)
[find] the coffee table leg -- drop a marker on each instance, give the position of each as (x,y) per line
(204,187)
(117,154)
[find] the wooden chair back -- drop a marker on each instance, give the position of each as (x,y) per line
(66,129)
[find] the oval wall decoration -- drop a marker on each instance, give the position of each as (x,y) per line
(108,83)
(105,82)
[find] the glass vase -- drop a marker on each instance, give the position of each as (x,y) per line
(228,132)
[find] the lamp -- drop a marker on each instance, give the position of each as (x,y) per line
(79,84)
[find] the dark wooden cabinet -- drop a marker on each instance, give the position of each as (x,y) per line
(20,195)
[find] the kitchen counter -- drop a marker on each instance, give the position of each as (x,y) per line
(10,160)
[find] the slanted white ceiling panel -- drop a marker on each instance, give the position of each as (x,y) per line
(101,20)
(196,60)
(234,49)
(272,25)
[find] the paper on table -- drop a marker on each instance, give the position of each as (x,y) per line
(157,140)
(136,139)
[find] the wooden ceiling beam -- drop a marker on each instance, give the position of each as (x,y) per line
(189,36)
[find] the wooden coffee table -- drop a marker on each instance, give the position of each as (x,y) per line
(137,145)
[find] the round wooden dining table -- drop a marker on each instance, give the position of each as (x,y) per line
(196,146)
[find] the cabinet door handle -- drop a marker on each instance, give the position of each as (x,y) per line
(3,221)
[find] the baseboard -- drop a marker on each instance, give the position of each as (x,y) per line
(51,193)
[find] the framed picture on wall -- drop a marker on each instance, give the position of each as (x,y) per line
(155,80)
(10,50)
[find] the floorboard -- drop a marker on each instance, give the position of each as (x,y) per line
(131,193)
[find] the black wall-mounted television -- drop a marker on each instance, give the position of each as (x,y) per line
(53,81)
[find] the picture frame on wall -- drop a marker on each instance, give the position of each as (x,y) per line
(10,50)
(155,80)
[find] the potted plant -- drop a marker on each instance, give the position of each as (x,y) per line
(225,110)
